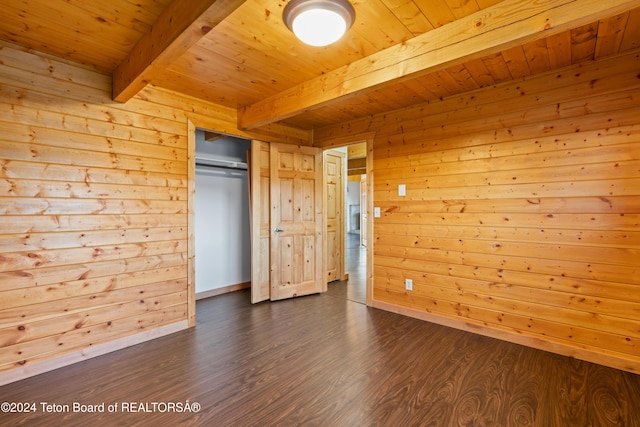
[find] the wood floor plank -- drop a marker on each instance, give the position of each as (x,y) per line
(323,360)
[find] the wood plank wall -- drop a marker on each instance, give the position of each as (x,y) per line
(93,204)
(93,210)
(521,218)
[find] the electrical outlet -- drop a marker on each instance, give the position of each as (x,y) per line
(408,284)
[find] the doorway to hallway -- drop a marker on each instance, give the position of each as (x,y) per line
(353,211)
(355,287)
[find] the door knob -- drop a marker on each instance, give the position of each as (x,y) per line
(277,230)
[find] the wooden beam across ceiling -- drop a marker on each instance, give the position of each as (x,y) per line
(504,25)
(177,29)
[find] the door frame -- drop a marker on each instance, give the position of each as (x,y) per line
(368,139)
(192,125)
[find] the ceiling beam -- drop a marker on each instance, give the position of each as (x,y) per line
(491,30)
(178,28)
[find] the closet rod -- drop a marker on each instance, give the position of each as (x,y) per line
(241,167)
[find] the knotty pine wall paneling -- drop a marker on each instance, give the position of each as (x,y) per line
(94,212)
(521,218)
(93,204)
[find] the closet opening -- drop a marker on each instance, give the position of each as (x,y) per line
(222,230)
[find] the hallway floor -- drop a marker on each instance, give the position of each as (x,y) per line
(355,288)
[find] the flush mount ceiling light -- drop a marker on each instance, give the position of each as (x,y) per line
(319,22)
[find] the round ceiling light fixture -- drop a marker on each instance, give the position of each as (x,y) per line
(319,22)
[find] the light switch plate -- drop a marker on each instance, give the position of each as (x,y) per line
(408,284)
(402,190)
(376,212)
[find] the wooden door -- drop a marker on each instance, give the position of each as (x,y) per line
(334,173)
(296,221)
(260,223)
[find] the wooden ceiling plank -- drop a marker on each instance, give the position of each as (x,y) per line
(462,8)
(419,88)
(610,32)
(177,29)
(410,15)
(537,55)
(503,26)
(631,39)
(583,42)
(47,13)
(480,73)
(435,84)
(462,77)
(128,15)
(487,3)
(68,44)
(387,98)
(146,12)
(437,12)
(386,35)
(559,49)
(456,79)
(257,37)
(498,68)
(212,70)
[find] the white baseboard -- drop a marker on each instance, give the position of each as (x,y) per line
(223,290)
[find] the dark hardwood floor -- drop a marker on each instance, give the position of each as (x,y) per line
(323,360)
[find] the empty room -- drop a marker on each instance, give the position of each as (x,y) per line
(236,213)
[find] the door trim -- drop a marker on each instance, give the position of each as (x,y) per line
(345,141)
(370,219)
